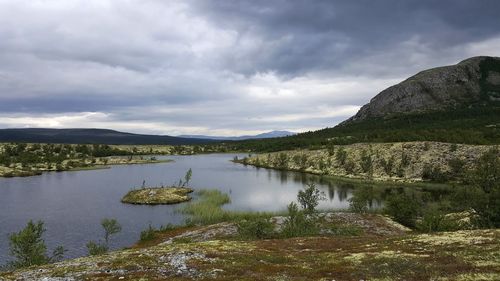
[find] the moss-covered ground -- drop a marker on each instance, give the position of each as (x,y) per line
(193,253)
(158,195)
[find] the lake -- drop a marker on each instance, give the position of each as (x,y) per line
(72,204)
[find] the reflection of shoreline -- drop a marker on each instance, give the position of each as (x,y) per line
(343,190)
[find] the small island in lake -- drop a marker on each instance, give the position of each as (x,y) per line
(158,195)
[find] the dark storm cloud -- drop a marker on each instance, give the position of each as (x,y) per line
(222,67)
(302,36)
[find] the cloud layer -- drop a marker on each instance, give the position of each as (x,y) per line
(222,67)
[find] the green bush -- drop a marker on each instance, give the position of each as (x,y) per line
(28,248)
(387,165)
(403,208)
(96,249)
(433,173)
(485,184)
(456,167)
(148,234)
(281,161)
(434,220)
(309,198)
(259,228)
(341,156)
(486,175)
(111,227)
(366,162)
(349,166)
(297,223)
(346,230)
(358,204)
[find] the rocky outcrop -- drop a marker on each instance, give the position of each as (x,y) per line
(472,81)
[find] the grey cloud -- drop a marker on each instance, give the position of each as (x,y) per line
(302,36)
(223,65)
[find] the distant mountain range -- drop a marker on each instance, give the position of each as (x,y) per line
(268,135)
(90,136)
(105,136)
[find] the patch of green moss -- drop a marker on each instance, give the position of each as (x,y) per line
(158,195)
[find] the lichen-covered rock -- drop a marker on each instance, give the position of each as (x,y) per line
(158,195)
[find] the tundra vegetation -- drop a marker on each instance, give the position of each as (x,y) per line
(218,244)
(403,162)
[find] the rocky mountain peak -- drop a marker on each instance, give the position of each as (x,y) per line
(472,81)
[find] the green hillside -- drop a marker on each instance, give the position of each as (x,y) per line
(479,125)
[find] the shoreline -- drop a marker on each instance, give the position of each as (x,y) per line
(22,173)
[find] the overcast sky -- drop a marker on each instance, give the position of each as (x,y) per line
(222,67)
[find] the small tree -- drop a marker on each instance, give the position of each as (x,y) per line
(387,165)
(366,162)
(341,156)
(297,224)
(486,175)
(111,227)
(309,198)
(187,177)
(28,248)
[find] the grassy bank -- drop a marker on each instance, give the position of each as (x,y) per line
(207,209)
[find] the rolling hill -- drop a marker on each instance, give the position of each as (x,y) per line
(90,136)
(268,135)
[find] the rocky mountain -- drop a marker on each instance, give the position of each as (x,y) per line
(474,81)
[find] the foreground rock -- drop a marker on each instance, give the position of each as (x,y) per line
(158,195)
(215,253)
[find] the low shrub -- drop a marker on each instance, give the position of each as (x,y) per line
(434,220)
(96,249)
(148,234)
(346,230)
(434,174)
(403,208)
(297,223)
(259,228)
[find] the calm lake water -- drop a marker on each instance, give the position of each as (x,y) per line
(72,204)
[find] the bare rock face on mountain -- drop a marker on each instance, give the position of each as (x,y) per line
(473,81)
